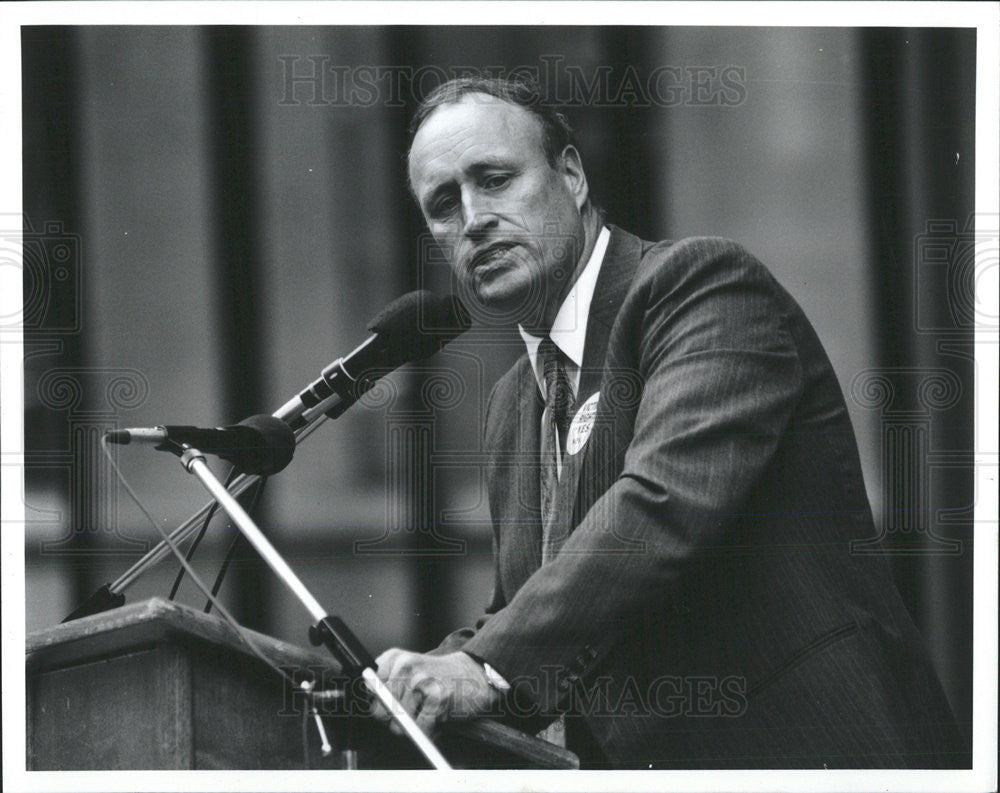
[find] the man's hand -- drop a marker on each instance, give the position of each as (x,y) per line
(433,688)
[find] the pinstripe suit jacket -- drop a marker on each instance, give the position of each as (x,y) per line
(704,608)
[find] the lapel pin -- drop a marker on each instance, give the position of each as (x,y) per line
(583,423)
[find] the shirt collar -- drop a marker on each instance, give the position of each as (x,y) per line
(569,330)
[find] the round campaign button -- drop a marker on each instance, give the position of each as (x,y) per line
(583,423)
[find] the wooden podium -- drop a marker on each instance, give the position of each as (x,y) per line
(158,685)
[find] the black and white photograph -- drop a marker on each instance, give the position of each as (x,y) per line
(500,396)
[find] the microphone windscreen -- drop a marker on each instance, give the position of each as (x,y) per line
(271,448)
(418,324)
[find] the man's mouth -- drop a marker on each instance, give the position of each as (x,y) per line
(490,255)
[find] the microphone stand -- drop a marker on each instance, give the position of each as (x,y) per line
(326,397)
(336,389)
(161,550)
(329,631)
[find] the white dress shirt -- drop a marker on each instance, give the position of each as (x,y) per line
(569,329)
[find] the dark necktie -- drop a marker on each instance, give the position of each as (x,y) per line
(555,421)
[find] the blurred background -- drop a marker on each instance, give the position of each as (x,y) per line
(213,214)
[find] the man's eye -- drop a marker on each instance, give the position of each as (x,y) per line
(495,181)
(443,206)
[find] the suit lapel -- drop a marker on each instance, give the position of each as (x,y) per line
(513,434)
(513,444)
(617,271)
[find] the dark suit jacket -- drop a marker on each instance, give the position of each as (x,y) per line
(704,608)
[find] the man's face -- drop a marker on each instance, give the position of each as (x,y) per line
(508,220)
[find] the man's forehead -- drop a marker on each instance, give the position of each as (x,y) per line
(472,127)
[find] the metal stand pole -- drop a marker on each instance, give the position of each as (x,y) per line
(331,631)
(161,551)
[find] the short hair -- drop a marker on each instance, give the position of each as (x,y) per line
(556,131)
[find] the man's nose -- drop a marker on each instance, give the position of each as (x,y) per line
(476,217)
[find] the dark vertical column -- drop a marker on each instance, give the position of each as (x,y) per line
(431,570)
(883,133)
(628,163)
(52,285)
(230,87)
(920,108)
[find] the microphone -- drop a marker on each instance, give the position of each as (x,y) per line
(410,328)
(413,327)
(261,445)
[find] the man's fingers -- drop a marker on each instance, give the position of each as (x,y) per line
(431,688)
(431,702)
(387,662)
(389,668)
(421,696)
(379,711)
(396,671)
(410,700)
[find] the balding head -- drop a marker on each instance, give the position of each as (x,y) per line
(514,220)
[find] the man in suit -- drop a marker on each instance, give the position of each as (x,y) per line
(674,486)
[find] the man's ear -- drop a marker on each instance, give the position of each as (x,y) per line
(571,168)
